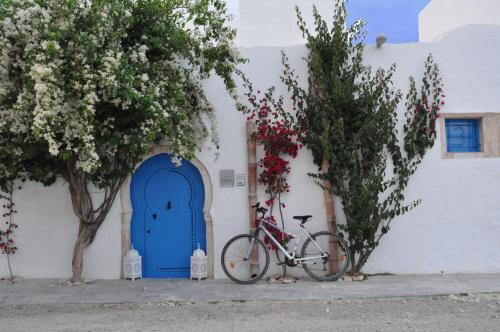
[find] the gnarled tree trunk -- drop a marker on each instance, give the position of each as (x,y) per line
(86,235)
(330,215)
(90,219)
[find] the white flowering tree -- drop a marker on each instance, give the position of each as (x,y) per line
(87,87)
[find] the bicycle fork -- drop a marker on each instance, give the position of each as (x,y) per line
(253,255)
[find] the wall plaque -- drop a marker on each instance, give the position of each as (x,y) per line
(226,177)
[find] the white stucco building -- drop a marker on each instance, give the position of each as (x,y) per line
(440,17)
(455,230)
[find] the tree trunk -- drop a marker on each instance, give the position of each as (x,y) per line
(330,216)
(10,267)
(363,258)
(84,210)
(356,269)
(86,235)
(90,219)
(353,263)
(328,196)
(358,264)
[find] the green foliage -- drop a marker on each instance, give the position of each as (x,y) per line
(275,132)
(349,116)
(88,87)
(101,81)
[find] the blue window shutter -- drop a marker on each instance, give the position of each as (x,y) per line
(463,135)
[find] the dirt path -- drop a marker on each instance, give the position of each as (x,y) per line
(439,313)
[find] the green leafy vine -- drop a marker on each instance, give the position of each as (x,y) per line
(349,117)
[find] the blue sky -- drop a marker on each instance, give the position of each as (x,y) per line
(398,19)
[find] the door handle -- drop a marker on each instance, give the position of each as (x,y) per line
(154,216)
(169,205)
(148,231)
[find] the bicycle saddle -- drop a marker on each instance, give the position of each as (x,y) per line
(260,209)
(304,219)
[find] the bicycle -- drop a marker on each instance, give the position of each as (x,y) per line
(324,255)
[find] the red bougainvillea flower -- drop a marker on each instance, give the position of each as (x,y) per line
(276,133)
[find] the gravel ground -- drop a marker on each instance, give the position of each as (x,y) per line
(464,312)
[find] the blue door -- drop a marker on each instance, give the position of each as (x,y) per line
(167,222)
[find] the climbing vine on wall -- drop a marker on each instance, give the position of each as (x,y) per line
(349,117)
(277,134)
(7,227)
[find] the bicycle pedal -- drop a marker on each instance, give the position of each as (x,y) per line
(282,263)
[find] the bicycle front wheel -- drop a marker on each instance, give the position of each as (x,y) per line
(245,259)
(326,258)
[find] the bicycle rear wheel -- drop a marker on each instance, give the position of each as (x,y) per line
(245,259)
(330,267)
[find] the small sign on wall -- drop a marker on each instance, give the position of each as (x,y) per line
(240,180)
(226,177)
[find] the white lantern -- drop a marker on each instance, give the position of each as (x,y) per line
(199,264)
(132,265)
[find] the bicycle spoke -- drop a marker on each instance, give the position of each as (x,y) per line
(326,258)
(238,259)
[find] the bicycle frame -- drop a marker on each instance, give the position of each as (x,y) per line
(263,223)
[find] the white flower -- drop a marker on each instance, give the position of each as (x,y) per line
(41,87)
(142,53)
(69,81)
(41,70)
(177,161)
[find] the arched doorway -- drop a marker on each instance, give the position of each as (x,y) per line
(167,220)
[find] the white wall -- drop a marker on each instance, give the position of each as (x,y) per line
(230,205)
(47,231)
(442,16)
(454,230)
(274,22)
(456,227)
